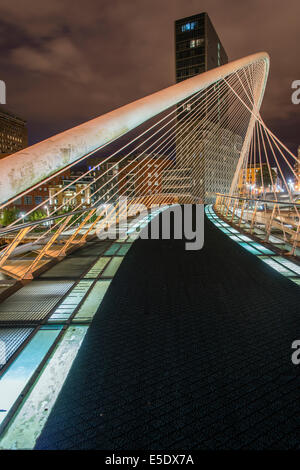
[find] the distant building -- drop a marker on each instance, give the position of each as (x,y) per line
(106,180)
(72,191)
(142,176)
(40,195)
(252,177)
(297,171)
(208,160)
(177,181)
(219,153)
(14,137)
(13,133)
(138,175)
(197,46)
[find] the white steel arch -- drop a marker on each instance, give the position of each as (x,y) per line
(30,166)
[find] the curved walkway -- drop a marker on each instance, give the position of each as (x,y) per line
(190,349)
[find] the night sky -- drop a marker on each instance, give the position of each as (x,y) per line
(67,61)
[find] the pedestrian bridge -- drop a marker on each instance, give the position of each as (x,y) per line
(129,343)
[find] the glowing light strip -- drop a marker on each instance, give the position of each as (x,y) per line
(285,267)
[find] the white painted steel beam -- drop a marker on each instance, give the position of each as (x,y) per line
(32,165)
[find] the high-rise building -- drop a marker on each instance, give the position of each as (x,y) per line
(197,46)
(13,133)
(207,150)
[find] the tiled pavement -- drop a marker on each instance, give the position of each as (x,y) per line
(188,350)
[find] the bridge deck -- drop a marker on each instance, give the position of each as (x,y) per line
(188,350)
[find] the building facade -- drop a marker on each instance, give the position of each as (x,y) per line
(40,195)
(136,176)
(71,191)
(297,172)
(256,179)
(207,150)
(197,46)
(143,176)
(13,133)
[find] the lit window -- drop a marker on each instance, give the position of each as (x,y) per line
(189,26)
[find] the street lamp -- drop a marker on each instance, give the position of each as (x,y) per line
(291,184)
(47,210)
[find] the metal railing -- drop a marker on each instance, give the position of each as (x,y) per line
(264,217)
(27,247)
(27,250)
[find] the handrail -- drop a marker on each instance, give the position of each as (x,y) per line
(269,201)
(18,227)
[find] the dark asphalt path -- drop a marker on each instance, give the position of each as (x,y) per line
(189,350)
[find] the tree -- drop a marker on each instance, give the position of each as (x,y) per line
(9,215)
(263,176)
(37,215)
(68,209)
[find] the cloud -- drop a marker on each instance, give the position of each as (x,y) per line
(82,58)
(57,56)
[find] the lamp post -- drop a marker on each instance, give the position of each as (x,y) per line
(47,210)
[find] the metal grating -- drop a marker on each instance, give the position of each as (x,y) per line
(63,312)
(112,267)
(72,267)
(97,268)
(92,302)
(34,301)
(124,249)
(93,249)
(112,250)
(10,340)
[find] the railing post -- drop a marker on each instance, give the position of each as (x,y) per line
(268,228)
(253,218)
(292,252)
(84,236)
(44,251)
(233,209)
(219,207)
(63,251)
(14,245)
(228,206)
(242,213)
(225,205)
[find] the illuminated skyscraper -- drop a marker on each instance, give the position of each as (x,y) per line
(197,46)
(208,161)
